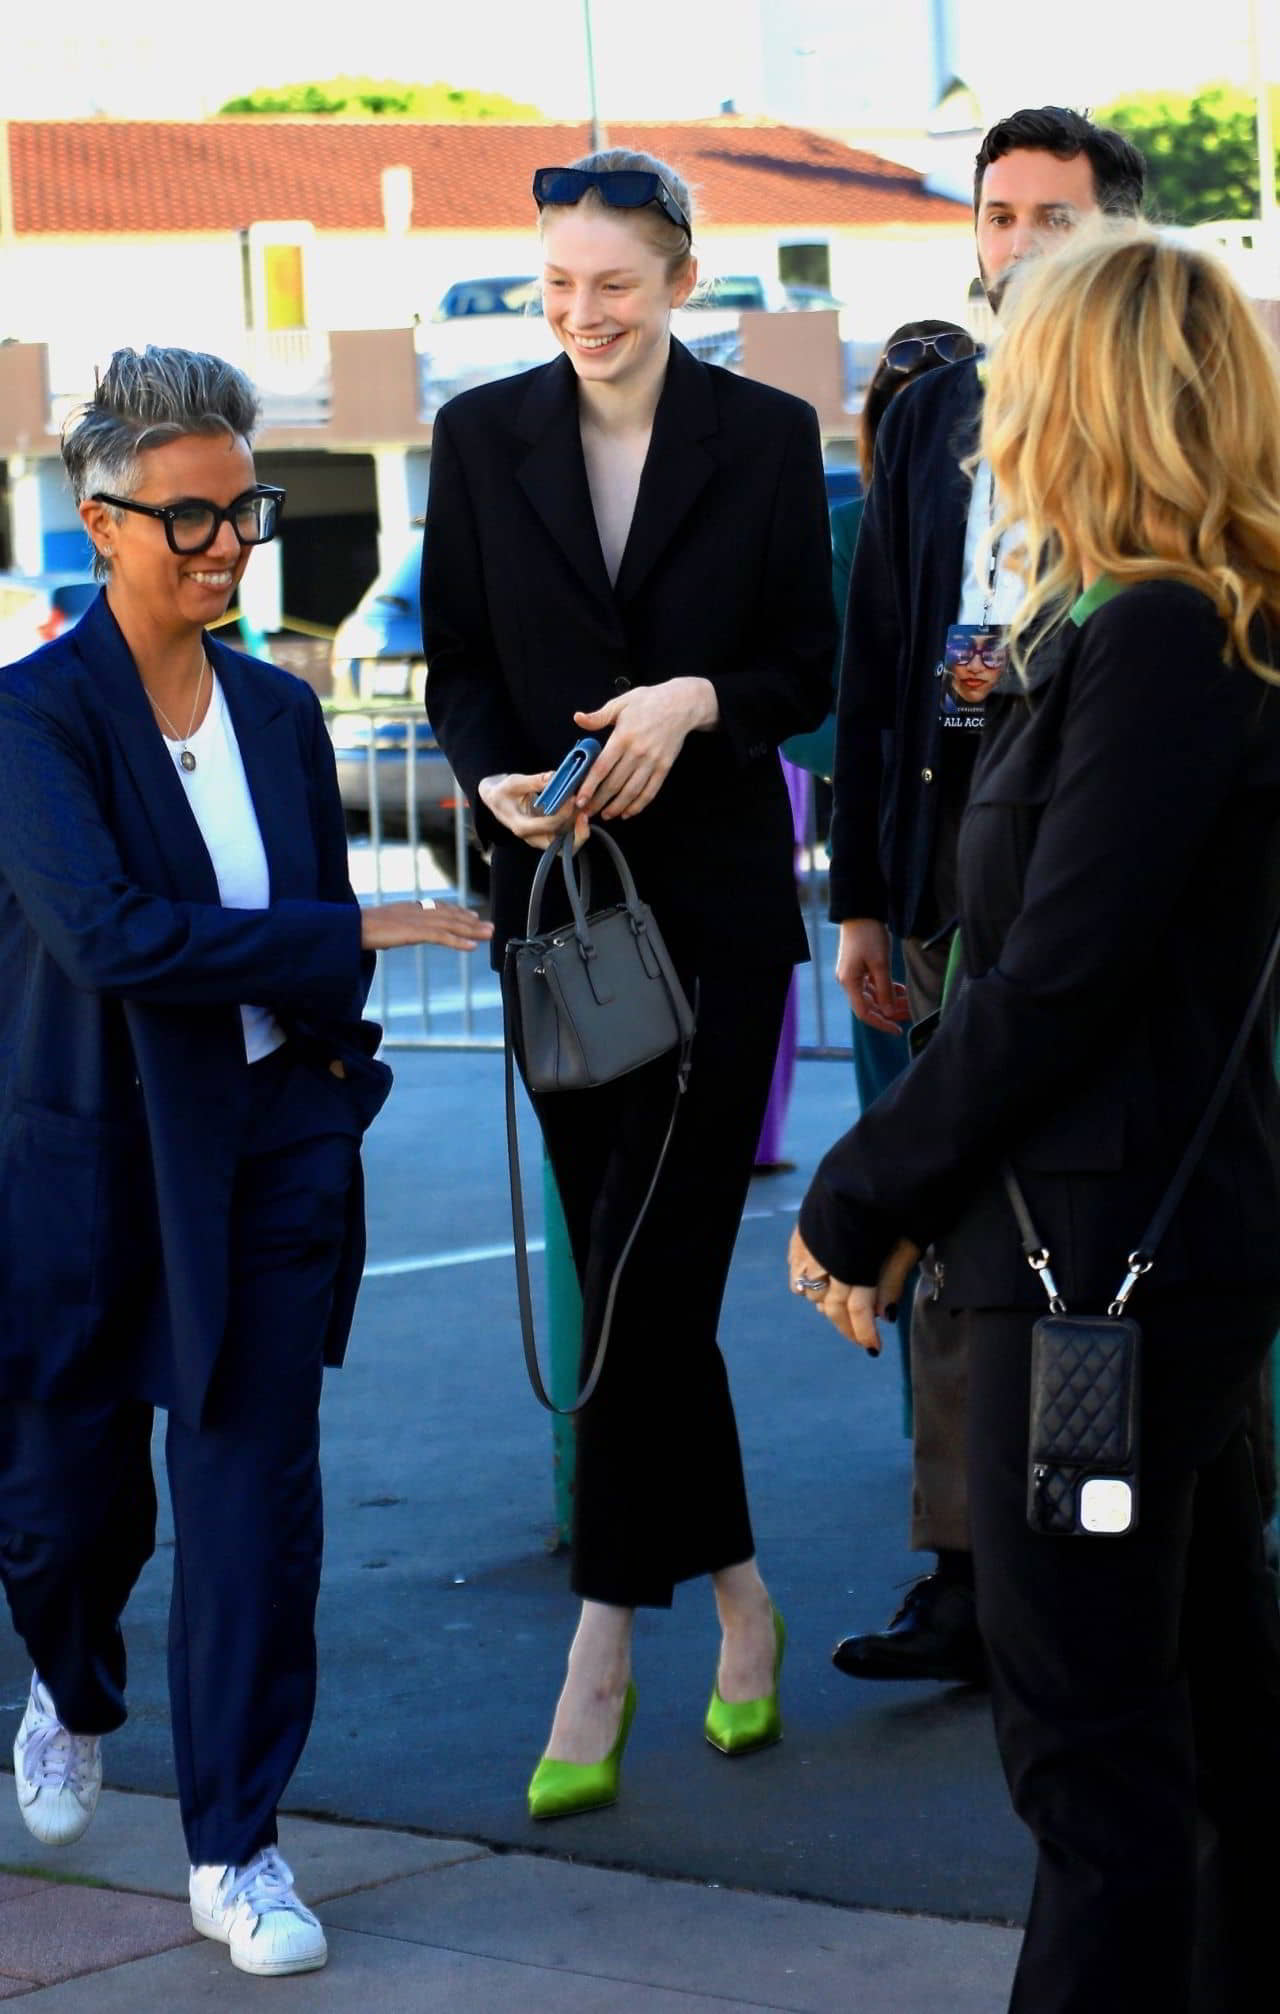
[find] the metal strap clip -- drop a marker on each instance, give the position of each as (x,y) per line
(1138,1265)
(1039,1263)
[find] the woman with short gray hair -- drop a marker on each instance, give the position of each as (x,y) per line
(185,1076)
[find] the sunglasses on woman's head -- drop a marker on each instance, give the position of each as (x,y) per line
(620,188)
(912,351)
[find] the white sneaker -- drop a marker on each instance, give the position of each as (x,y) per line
(57,1774)
(254,1910)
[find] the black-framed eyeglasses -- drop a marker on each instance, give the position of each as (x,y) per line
(912,351)
(620,188)
(192,524)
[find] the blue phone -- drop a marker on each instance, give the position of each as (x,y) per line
(567,778)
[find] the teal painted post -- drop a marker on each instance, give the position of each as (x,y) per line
(564,1306)
(253,638)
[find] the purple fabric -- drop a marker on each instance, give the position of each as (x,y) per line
(769,1145)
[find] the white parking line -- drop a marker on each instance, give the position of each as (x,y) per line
(442,1003)
(434,1262)
(475,1255)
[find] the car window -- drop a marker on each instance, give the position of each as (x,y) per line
(735,292)
(490,297)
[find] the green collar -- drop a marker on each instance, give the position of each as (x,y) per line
(1104,589)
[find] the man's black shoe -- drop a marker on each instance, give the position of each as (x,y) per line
(933,1635)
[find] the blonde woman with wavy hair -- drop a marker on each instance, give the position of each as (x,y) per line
(1170,466)
(1119,889)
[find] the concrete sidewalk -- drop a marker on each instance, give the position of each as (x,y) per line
(418,1923)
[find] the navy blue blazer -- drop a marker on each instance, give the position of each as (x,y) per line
(123,1081)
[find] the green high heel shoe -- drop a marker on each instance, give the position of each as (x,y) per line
(560,1789)
(737,1726)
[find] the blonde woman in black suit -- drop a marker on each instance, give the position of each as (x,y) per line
(633,544)
(1119,878)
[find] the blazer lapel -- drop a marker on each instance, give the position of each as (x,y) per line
(268,738)
(178,848)
(676,470)
(553,475)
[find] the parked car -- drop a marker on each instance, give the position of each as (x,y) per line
(811,300)
(377,663)
(36,607)
(483,329)
(521,295)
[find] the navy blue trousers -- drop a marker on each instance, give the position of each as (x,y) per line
(78,1502)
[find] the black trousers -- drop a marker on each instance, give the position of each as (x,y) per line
(77,1498)
(1136,1680)
(659,1490)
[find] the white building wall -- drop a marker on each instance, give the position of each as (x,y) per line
(885,280)
(86,297)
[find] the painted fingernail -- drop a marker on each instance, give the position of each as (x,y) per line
(875,1352)
(891,1311)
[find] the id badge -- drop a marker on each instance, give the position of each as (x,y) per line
(975,658)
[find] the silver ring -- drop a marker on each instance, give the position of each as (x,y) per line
(812,1283)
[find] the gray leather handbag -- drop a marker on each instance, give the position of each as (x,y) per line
(586,1003)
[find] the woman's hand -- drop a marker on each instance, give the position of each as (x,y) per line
(852,1310)
(393,923)
(862,969)
(510,799)
(648,729)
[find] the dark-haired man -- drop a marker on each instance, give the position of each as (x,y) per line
(924,595)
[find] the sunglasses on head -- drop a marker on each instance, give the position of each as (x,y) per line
(620,188)
(912,351)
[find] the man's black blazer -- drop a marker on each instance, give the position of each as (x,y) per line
(1119,879)
(904,591)
(726,576)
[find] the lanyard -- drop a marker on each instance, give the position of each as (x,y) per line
(993,556)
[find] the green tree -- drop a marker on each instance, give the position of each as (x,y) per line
(1201,150)
(373,97)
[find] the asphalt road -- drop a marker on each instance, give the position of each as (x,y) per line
(445,1613)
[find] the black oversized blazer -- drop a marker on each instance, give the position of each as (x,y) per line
(904,590)
(1119,878)
(123,1083)
(726,576)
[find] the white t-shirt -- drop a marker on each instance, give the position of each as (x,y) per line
(980,604)
(218,793)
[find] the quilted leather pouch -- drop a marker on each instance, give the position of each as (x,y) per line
(1082,1454)
(1082,1475)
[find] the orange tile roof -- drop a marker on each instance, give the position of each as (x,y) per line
(98,176)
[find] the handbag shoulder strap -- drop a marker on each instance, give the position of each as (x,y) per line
(524,1293)
(1143,1256)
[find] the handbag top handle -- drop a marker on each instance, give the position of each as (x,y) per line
(561,849)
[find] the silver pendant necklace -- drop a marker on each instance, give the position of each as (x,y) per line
(186,758)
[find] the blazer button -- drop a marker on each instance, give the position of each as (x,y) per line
(622,684)
(926,776)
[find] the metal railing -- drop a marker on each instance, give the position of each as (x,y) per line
(401,774)
(407,993)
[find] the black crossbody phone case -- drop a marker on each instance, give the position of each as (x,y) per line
(1083,1453)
